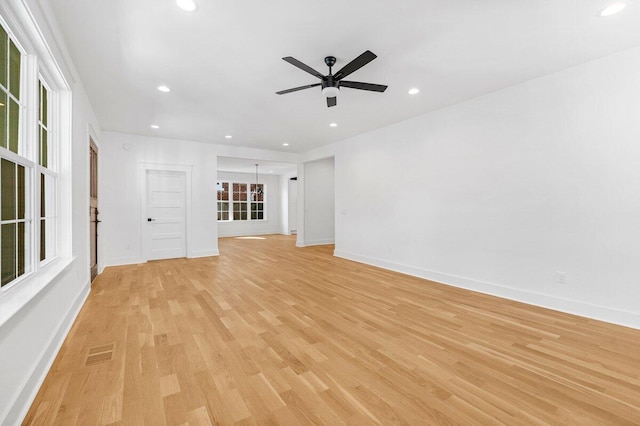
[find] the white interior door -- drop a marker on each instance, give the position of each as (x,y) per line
(166,230)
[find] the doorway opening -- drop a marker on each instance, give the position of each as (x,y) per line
(93,208)
(245,212)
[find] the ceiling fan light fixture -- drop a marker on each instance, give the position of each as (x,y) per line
(330,92)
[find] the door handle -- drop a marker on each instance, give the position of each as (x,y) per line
(150,220)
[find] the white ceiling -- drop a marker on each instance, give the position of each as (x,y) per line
(243,165)
(223,62)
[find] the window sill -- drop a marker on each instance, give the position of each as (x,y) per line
(17,297)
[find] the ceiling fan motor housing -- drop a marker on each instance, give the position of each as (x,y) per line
(330,87)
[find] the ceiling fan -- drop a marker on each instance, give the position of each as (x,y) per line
(332,83)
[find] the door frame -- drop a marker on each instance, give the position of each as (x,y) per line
(92,135)
(142,189)
(93,232)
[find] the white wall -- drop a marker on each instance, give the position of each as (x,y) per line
(122,197)
(31,338)
(318,201)
(500,193)
(269,226)
(123,184)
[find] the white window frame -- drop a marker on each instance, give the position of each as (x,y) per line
(22,158)
(247,202)
(219,184)
(32,72)
(51,171)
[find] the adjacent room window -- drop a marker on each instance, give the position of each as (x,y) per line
(239,201)
(244,204)
(223,200)
(257,201)
(27,178)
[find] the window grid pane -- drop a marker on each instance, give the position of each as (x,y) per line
(14,125)
(47,215)
(224,194)
(13,199)
(8,177)
(21,192)
(4,57)
(43,240)
(43,131)
(21,248)
(4,113)
(9,246)
(45,106)
(14,70)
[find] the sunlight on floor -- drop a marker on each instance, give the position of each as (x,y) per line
(250,238)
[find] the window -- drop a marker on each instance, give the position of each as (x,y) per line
(15,221)
(245,202)
(27,178)
(239,201)
(223,200)
(48,178)
(257,201)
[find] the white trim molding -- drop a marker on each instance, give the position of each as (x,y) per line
(602,313)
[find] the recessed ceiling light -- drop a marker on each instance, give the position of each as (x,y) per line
(285,144)
(164,88)
(154,126)
(414,91)
(270,171)
(613,8)
(333,125)
(228,136)
(188,5)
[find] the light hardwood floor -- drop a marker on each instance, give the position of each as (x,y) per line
(272,334)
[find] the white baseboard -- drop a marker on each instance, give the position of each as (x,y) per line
(120,261)
(27,395)
(248,234)
(602,313)
(315,242)
(204,253)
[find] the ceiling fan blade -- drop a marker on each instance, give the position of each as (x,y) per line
(355,65)
(363,86)
(295,89)
(331,101)
(303,67)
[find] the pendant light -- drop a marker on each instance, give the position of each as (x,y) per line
(258,190)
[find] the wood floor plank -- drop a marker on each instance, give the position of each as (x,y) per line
(268,333)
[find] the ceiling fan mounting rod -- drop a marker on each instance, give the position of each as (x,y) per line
(330,61)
